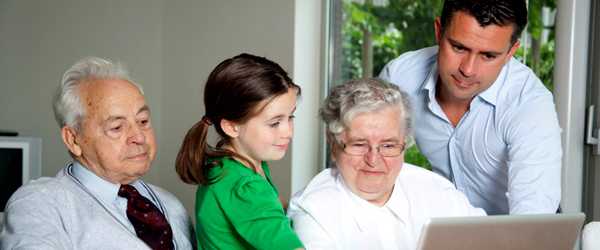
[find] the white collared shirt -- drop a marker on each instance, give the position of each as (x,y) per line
(327,215)
(387,225)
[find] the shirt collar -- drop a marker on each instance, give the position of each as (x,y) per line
(397,204)
(429,83)
(490,95)
(101,188)
(357,206)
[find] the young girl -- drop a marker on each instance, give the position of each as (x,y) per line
(250,101)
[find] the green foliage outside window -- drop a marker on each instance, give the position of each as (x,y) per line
(405,25)
(541,53)
(396,28)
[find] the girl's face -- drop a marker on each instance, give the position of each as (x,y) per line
(267,135)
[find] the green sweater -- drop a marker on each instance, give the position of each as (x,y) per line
(241,210)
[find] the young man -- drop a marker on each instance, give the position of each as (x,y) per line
(483,119)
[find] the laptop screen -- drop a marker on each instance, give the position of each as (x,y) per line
(531,232)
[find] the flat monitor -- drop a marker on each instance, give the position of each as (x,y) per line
(514,232)
(20,162)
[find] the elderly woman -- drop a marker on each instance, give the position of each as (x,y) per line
(370,199)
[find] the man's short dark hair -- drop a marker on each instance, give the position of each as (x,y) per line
(486,12)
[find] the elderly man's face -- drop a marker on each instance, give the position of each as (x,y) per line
(371,176)
(116,139)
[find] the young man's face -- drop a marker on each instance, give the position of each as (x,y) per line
(470,56)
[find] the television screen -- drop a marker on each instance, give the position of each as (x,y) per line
(20,162)
(11,173)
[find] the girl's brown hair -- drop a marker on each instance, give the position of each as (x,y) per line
(233,91)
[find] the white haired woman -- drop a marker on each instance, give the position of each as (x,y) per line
(371,199)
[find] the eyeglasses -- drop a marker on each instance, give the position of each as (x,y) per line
(385,150)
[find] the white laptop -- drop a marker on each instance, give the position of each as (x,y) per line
(514,232)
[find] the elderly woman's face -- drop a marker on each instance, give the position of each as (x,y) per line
(371,176)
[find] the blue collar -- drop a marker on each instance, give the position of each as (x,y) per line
(490,95)
(106,191)
(430,82)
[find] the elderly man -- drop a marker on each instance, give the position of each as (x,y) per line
(483,119)
(99,201)
(370,199)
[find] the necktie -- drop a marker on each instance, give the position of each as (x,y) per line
(150,224)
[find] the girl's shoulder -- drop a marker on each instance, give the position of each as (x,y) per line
(228,167)
(232,175)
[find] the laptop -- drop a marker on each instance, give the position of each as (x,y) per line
(514,232)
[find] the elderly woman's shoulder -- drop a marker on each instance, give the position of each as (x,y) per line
(321,188)
(416,174)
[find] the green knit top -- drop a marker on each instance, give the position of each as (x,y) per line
(240,209)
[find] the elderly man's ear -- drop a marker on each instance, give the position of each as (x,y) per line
(69,137)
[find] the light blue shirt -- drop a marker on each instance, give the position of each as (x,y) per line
(505,152)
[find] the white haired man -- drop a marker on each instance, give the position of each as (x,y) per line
(99,201)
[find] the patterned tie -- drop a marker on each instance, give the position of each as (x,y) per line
(150,224)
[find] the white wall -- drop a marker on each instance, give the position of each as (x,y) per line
(169,47)
(39,40)
(199,35)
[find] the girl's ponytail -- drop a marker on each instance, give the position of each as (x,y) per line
(191,159)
